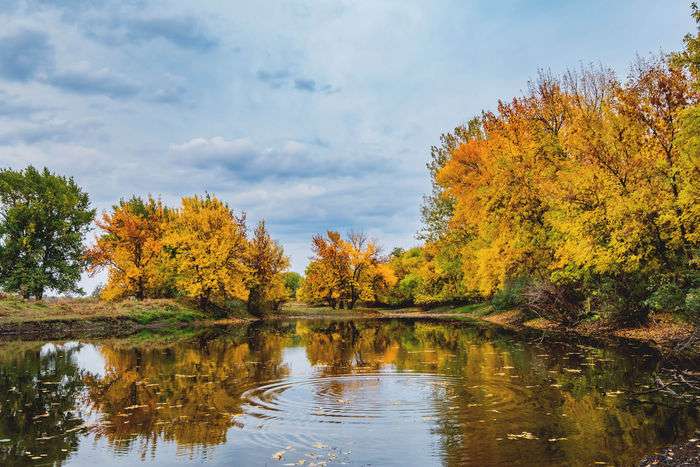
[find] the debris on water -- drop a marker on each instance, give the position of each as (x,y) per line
(278,455)
(43,415)
(572,370)
(319,445)
(133,407)
(553,440)
(523,435)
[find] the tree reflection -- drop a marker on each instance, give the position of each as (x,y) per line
(491,397)
(189,393)
(40,388)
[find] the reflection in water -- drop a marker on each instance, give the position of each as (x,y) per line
(381,392)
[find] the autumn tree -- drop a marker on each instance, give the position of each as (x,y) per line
(328,273)
(44,220)
(580,184)
(343,271)
(266,262)
(208,247)
(131,248)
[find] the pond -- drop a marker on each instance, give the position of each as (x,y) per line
(316,392)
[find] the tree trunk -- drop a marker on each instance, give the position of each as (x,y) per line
(203,302)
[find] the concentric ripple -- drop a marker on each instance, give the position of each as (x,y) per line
(278,412)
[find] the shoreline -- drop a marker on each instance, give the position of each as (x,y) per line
(86,318)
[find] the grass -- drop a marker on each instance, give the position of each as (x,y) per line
(16,310)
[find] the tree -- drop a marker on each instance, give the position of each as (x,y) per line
(45,218)
(328,273)
(344,271)
(292,282)
(438,207)
(208,247)
(266,262)
(584,187)
(131,247)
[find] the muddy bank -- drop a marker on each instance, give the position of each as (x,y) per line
(672,340)
(95,328)
(74,328)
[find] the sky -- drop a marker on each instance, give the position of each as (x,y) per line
(313,115)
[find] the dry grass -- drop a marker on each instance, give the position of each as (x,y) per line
(17,310)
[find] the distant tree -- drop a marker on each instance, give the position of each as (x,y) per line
(344,271)
(292,282)
(266,261)
(44,219)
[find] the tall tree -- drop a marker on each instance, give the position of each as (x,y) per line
(266,261)
(208,249)
(45,218)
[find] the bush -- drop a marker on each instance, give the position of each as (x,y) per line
(562,304)
(510,296)
(622,299)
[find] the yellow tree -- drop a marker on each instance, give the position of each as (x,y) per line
(327,275)
(343,271)
(208,250)
(267,262)
(131,249)
(364,272)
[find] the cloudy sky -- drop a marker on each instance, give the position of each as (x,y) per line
(312,115)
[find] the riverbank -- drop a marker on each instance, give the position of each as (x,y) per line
(672,337)
(63,318)
(66,318)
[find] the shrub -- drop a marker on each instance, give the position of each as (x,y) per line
(560,303)
(510,296)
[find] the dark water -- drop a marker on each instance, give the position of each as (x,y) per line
(330,393)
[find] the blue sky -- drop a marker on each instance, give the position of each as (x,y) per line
(312,115)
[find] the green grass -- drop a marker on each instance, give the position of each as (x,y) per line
(183,315)
(475,309)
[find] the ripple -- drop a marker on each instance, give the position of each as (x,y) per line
(305,405)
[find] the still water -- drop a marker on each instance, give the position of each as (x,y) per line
(364,392)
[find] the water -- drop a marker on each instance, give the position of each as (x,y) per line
(364,392)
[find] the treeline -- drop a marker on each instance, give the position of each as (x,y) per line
(581,196)
(577,199)
(200,250)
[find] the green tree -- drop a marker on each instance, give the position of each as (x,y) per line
(438,206)
(44,219)
(292,282)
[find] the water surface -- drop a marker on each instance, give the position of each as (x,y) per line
(364,392)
